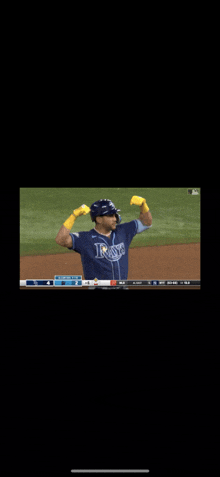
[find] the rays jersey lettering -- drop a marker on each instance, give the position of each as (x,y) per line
(112,252)
(105,258)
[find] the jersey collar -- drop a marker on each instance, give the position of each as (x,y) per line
(105,235)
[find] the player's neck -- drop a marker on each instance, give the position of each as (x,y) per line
(101,230)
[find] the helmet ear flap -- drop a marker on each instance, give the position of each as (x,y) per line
(92,218)
(118,217)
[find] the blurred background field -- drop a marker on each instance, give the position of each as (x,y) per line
(176,215)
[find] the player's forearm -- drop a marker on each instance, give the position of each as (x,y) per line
(146,218)
(62,236)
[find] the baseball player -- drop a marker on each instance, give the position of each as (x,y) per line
(104,249)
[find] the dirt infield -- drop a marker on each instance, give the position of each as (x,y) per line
(169,262)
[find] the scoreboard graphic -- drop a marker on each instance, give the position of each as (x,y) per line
(76,281)
(68,281)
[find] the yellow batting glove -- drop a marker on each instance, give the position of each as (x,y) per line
(83,210)
(136,200)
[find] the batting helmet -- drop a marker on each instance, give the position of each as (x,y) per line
(104,207)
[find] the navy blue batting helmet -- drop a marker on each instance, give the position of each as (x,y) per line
(104,207)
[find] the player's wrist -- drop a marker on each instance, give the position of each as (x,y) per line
(70,221)
(144,207)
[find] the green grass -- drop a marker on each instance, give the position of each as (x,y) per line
(176,215)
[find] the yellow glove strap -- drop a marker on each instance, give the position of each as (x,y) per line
(144,208)
(69,222)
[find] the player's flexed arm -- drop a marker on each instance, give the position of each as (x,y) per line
(63,238)
(145,215)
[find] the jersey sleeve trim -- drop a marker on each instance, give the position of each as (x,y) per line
(136,223)
(141,228)
(73,240)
